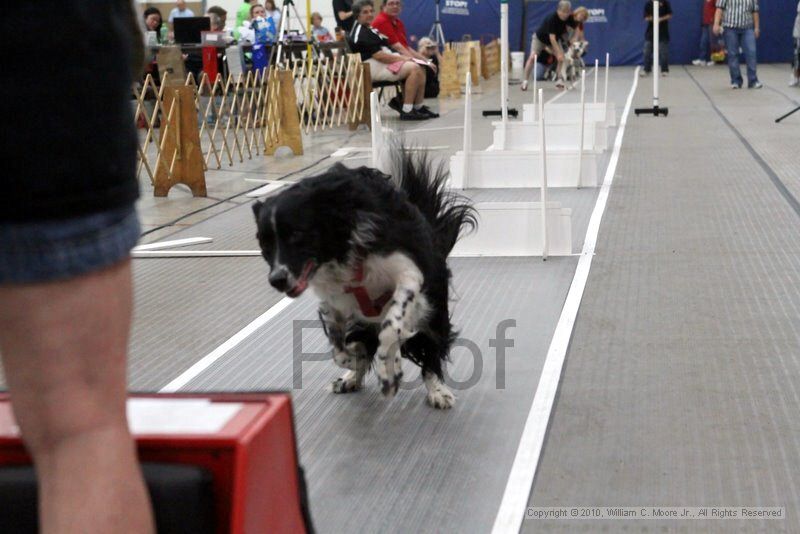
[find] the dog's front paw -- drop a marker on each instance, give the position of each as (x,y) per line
(441,398)
(348,383)
(389,386)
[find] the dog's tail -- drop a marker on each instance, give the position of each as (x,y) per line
(426,187)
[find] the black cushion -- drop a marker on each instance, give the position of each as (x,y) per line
(182,496)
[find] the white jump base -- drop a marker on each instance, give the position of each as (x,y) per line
(515,229)
(571,111)
(522,168)
(560,135)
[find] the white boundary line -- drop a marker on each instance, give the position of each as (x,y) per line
(206,362)
(520,481)
(267,189)
(565,90)
(194,253)
(438,129)
(158,245)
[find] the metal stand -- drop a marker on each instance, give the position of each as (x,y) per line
(504,110)
(437,33)
(779,119)
(285,27)
(655,110)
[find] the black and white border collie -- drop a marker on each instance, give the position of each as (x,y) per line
(374,249)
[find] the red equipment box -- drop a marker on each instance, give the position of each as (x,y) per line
(258,486)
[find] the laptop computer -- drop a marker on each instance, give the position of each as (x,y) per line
(188,29)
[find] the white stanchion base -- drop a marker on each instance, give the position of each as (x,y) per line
(571,111)
(522,168)
(560,135)
(515,229)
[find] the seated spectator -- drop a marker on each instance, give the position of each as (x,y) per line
(388,23)
(272,11)
(247,31)
(179,11)
(215,22)
(153,21)
(221,13)
(548,38)
(430,51)
(386,65)
(318,31)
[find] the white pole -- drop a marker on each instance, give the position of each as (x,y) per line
(605,91)
(375,126)
(583,118)
(596,71)
(504,62)
(535,61)
(467,131)
(656,65)
(544,176)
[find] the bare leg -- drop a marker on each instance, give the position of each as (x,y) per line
(64,348)
(529,67)
(414,85)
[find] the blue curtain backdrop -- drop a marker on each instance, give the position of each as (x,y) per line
(615,26)
(476,18)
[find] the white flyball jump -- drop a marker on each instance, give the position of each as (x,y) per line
(601,112)
(562,131)
(517,228)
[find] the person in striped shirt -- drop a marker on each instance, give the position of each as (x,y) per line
(739,20)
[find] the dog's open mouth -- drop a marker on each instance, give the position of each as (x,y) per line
(302,282)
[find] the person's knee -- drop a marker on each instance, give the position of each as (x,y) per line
(49,425)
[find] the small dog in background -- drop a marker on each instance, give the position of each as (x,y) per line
(374,249)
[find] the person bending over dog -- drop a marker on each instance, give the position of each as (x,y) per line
(548,35)
(386,65)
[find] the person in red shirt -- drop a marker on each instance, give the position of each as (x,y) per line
(704,54)
(388,23)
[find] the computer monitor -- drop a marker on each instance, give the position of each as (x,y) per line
(187,29)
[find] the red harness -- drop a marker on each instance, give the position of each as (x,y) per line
(369,307)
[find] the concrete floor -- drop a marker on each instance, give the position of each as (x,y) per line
(680,382)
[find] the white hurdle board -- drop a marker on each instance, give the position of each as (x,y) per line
(515,229)
(561,135)
(605,114)
(522,168)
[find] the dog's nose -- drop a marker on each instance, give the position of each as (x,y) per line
(279,279)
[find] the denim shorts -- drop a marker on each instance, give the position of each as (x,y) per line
(46,251)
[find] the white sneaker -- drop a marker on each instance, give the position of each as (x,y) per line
(643,73)
(664,74)
(794,82)
(698,62)
(710,64)
(524,85)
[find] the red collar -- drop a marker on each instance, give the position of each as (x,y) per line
(369,307)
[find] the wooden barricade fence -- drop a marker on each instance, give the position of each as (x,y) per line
(213,122)
(330,91)
(468,57)
(490,58)
(449,84)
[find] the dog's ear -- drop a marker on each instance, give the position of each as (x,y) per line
(257,208)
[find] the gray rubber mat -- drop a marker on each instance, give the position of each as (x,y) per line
(185,308)
(425,470)
(681,383)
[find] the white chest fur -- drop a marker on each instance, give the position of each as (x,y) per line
(381,274)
